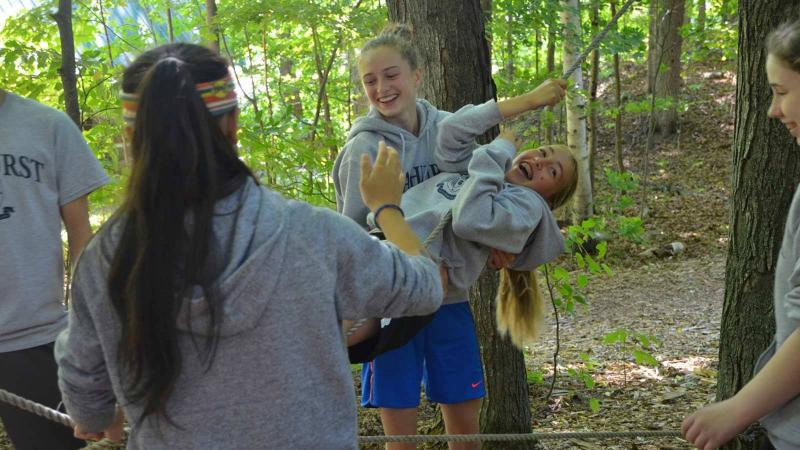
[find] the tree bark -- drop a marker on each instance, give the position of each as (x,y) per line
(551,50)
(211,23)
(766,170)
(618,103)
(576,112)
(668,46)
(593,94)
(63,18)
(457,65)
(701,17)
(652,45)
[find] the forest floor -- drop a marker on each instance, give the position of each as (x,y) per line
(677,300)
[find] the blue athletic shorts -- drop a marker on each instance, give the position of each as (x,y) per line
(444,357)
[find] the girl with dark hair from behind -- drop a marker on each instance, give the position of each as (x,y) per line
(191,306)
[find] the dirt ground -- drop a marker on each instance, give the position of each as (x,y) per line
(679,302)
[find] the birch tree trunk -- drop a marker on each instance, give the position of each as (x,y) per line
(576,112)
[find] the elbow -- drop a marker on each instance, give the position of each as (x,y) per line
(466,229)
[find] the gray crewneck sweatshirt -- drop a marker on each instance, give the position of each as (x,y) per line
(416,155)
(488,213)
(783,424)
(280,377)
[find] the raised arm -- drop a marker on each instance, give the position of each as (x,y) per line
(347,176)
(549,93)
(457,132)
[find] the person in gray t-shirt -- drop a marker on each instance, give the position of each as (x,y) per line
(46,173)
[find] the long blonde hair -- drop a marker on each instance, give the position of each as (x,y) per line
(520,307)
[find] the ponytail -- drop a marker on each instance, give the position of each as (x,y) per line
(399,36)
(181,160)
(520,307)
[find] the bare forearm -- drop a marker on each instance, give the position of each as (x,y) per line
(76,220)
(517,105)
(774,385)
(399,232)
(548,93)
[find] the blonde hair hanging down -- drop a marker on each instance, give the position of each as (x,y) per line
(520,307)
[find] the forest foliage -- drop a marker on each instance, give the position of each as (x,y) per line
(294,62)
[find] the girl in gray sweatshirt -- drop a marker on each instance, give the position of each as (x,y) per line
(502,202)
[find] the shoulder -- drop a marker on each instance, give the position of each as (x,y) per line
(360,143)
(528,199)
(40,114)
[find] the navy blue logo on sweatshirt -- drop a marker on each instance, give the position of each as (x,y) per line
(449,188)
(5,211)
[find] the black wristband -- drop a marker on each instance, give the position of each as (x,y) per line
(386,206)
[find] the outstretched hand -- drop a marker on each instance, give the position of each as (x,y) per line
(382,182)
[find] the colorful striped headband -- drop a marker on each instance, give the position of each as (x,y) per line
(219,97)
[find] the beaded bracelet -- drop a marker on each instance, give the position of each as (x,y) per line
(386,206)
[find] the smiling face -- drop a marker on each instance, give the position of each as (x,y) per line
(391,85)
(547,170)
(785,85)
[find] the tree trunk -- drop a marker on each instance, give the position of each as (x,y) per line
(358,105)
(289,92)
(509,50)
(170,28)
(576,112)
(668,46)
(456,60)
(211,23)
(618,103)
(652,45)
(105,32)
(766,170)
(63,18)
(551,50)
(593,126)
(701,17)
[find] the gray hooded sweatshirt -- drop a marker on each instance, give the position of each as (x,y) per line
(783,424)
(280,377)
(416,154)
(487,213)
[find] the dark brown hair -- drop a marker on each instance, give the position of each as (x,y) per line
(784,43)
(182,163)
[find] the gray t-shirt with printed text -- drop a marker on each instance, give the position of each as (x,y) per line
(44,164)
